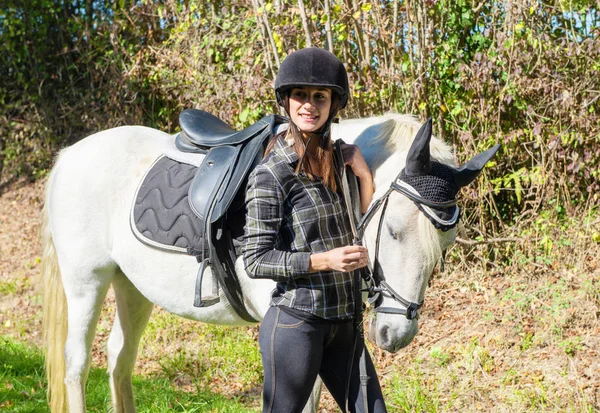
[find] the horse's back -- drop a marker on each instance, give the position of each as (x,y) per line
(112,154)
(93,182)
(114,147)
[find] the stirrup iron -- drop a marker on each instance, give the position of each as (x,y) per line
(207,301)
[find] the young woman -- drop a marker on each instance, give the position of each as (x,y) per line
(298,234)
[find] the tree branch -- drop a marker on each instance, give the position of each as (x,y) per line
(269,32)
(263,36)
(485,241)
(328,27)
(305,22)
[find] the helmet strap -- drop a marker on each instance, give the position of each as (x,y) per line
(323,134)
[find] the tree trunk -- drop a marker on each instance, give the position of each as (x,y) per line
(89,18)
(328,27)
(2,156)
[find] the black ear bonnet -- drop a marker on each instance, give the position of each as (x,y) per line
(438,186)
(312,67)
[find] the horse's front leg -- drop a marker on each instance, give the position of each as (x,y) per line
(312,405)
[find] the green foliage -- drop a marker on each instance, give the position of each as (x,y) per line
(571,345)
(442,358)
(495,73)
(8,287)
(410,394)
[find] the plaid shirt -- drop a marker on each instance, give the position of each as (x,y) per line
(289,218)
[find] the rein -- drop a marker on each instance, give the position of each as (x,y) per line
(377,286)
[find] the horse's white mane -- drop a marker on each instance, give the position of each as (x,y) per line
(394,133)
(385,143)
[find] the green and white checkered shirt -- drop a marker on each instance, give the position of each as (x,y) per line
(288,219)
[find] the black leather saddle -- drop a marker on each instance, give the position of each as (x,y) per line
(217,193)
(201,131)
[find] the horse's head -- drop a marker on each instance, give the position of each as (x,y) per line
(412,220)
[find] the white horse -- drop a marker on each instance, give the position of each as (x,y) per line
(89,246)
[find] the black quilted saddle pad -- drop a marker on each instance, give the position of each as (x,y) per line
(161,214)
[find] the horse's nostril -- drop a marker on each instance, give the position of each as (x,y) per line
(383,334)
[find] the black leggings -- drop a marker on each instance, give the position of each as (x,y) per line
(294,351)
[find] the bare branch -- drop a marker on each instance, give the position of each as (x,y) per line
(263,36)
(328,26)
(269,32)
(485,241)
(357,30)
(394,29)
(305,22)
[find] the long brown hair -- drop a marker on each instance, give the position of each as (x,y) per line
(324,153)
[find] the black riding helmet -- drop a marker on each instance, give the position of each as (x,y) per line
(312,67)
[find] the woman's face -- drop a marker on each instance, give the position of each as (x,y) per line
(309,108)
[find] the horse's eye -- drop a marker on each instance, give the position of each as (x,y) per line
(393,233)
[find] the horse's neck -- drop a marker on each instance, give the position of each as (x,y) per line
(349,130)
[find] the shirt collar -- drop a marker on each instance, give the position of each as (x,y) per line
(286,150)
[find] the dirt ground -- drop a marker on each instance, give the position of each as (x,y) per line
(519,337)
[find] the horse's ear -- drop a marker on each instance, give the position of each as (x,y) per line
(418,160)
(469,171)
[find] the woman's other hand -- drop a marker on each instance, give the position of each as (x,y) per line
(355,160)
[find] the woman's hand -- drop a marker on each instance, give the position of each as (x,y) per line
(354,158)
(343,259)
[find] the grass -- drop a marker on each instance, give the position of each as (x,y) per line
(22,388)
(507,328)
(467,379)
(526,340)
(413,391)
(205,355)
(22,384)
(8,287)
(507,360)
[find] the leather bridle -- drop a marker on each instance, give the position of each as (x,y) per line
(377,286)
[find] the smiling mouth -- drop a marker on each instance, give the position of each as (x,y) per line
(308,117)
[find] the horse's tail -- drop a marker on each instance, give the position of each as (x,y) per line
(54,313)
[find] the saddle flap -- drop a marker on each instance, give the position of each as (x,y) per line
(249,156)
(183,143)
(210,179)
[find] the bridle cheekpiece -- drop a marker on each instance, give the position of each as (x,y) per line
(435,211)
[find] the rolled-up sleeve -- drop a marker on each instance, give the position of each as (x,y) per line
(264,202)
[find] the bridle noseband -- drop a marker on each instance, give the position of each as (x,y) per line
(377,286)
